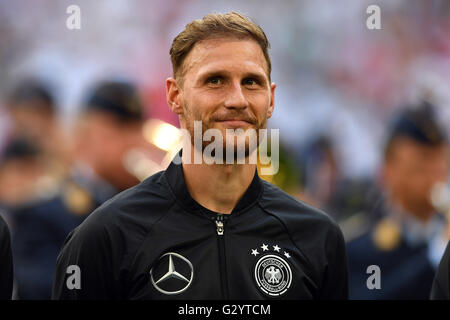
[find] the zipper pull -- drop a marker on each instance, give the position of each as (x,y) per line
(219,223)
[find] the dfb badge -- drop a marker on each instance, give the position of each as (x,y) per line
(272,272)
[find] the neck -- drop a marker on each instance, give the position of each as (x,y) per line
(218,187)
(422,212)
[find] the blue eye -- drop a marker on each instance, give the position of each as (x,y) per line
(250,82)
(215,80)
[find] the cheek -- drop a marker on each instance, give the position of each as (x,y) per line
(109,146)
(260,101)
(199,106)
(419,183)
(398,175)
(441,170)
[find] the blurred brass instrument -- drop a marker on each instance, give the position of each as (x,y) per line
(165,141)
(440,198)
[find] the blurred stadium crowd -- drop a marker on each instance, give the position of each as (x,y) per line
(363,116)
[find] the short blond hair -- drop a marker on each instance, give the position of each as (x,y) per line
(216,25)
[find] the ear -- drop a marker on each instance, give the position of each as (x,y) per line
(272,100)
(173,95)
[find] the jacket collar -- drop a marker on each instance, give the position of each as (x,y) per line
(175,177)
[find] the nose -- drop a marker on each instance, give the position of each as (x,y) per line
(236,98)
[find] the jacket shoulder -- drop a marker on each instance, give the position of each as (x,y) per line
(125,220)
(142,204)
(317,237)
(293,211)
(313,231)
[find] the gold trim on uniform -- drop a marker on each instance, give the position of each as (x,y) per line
(77,199)
(387,235)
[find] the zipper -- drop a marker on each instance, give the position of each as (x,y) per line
(220,229)
(219,224)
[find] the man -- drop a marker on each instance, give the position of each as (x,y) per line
(24,188)
(6,265)
(208,231)
(22,171)
(408,240)
(34,114)
(108,126)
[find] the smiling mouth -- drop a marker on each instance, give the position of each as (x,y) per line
(234,122)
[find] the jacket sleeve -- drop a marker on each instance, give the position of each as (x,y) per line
(335,282)
(6,264)
(84,268)
(441,283)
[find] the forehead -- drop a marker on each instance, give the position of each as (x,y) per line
(225,54)
(407,149)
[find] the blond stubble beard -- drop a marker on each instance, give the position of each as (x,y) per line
(189,125)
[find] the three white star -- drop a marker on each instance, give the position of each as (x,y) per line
(265,247)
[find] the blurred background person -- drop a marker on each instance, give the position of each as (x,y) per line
(35,116)
(349,200)
(33,164)
(321,171)
(23,174)
(30,205)
(408,241)
(107,133)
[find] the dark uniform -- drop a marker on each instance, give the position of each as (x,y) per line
(39,224)
(6,262)
(350,201)
(406,268)
(405,251)
(40,229)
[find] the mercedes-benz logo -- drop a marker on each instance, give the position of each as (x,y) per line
(178,276)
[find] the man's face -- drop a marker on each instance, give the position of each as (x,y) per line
(103,141)
(412,170)
(225,86)
(35,122)
(19,179)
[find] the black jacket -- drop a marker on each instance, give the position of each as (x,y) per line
(441,284)
(154,241)
(6,264)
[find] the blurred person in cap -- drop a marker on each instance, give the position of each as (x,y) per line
(23,174)
(34,114)
(349,200)
(27,194)
(107,127)
(408,241)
